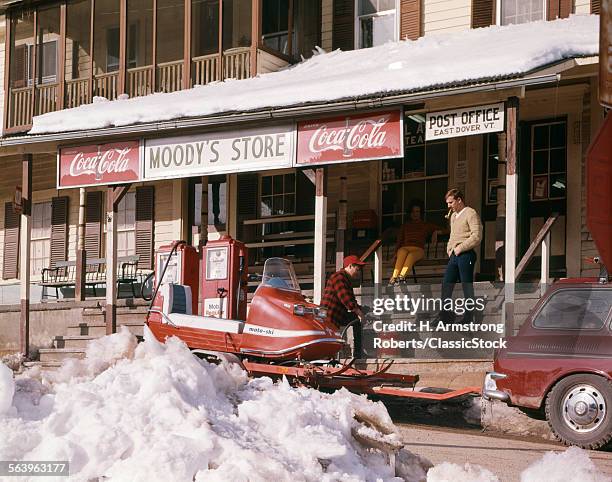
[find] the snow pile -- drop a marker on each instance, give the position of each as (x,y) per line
(447,472)
(13,361)
(573,464)
(153,412)
(467,56)
(7,388)
(500,417)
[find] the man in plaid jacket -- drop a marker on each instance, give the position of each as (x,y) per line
(339,300)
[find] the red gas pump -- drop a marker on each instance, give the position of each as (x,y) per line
(224,279)
(181,269)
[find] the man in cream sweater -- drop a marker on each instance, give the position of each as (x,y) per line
(465,236)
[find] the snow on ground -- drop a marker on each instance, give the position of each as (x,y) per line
(152,412)
(572,465)
(404,66)
(149,412)
(447,472)
(500,417)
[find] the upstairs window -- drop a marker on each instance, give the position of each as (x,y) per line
(376,22)
(520,11)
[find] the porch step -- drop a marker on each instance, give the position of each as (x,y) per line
(98,329)
(59,354)
(74,341)
(46,365)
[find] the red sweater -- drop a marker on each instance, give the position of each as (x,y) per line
(415,233)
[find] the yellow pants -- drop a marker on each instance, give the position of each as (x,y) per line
(407,256)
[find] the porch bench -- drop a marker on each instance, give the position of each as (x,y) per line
(63,274)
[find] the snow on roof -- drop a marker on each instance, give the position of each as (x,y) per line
(396,67)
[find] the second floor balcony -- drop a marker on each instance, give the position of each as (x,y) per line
(62,55)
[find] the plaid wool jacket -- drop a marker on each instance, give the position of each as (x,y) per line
(339,299)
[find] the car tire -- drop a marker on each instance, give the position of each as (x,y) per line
(578,410)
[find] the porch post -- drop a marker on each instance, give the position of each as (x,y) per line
(320,232)
(341,223)
(81,255)
(204,212)
(512,105)
(24,248)
(203,238)
(113,198)
(500,222)
(255,34)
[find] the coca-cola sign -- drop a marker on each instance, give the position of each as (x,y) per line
(93,165)
(350,138)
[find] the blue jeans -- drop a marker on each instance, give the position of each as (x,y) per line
(460,269)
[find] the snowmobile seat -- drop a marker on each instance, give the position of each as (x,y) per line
(177,307)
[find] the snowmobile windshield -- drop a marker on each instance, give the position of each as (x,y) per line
(279,273)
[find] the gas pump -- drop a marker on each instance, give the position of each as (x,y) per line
(182,268)
(224,279)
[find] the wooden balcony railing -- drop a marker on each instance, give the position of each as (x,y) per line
(77,92)
(140,81)
(234,64)
(205,69)
(20,113)
(170,76)
(237,63)
(46,98)
(105,85)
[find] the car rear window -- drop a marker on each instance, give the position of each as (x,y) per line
(585,309)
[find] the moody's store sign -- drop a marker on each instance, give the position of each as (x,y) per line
(219,152)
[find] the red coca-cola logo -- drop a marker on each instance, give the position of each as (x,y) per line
(346,138)
(99,164)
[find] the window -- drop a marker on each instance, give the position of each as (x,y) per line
(40,247)
(112,55)
(421,175)
(277,195)
(275,24)
(47,62)
(586,309)
(376,22)
(520,11)
(126,225)
(548,159)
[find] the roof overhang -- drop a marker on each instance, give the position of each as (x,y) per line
(28,143)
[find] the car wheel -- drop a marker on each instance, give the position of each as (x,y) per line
(578,411)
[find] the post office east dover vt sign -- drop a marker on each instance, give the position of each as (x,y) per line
(220,152)
(464,122)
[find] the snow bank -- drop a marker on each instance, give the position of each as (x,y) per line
(447,472)
(7,388)
(151,412)
(573,464)
(500,417)
(433,60)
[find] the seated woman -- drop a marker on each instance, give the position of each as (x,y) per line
(410,246)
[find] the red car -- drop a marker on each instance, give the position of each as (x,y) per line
(559,365)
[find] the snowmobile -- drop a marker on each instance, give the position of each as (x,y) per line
(201,298)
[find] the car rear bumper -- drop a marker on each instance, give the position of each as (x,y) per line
(489,387)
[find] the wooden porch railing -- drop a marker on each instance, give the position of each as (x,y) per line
(205,69)
(543,238)
(46,98)
(21,107)
(140,81)
(77,92)
(105,85)
(170,76)
(237,63)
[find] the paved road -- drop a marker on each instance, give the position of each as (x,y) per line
(505,456)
